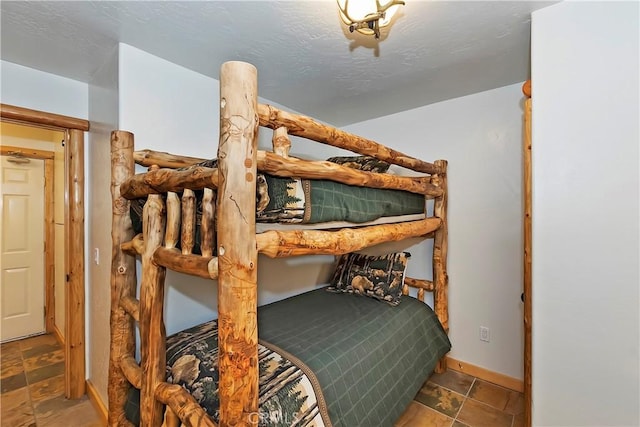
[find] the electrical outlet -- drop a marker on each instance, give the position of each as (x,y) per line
(484,333)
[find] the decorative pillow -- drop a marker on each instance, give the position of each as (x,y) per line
(379,277)
(363,163)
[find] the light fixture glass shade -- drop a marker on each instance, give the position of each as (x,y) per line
(354,11)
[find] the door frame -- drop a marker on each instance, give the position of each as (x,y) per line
(49,231)
(527,239)
(74,339)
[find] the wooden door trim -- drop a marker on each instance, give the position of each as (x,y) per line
(74,336)
(74,342)
(526,89)
(7,150)
(55,121)
(49,246)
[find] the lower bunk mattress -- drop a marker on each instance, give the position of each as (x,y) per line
(325,359)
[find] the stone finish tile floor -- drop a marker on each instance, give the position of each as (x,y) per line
(32,383)
(454,399)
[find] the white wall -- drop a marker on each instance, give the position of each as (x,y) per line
(169,108)
(480,135)
(29,88)
(103,113)
(585,214)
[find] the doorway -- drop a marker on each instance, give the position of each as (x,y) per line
(25,147)
(22,228)
(74,289)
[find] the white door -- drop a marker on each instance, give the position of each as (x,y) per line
(22,248)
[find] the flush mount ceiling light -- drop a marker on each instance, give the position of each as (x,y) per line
(368,16)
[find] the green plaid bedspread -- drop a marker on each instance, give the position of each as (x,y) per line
(369,357)
(333,201)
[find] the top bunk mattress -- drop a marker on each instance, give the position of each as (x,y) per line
(317,204)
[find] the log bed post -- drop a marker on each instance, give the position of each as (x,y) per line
(237,251)
(152,331)
(123,277)
(440,244)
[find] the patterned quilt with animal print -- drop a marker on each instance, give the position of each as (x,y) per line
(289,393)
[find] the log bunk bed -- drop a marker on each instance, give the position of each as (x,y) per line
(229,247)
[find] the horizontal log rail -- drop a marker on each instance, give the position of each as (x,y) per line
(164,160)
(307,127)
(174,161)
(207,268)
(195,265)
(197,178)
(132,306)
(284,167)
(184,405)
(164,180)
(427,285)
(276,244)
(133,247)
(131,371)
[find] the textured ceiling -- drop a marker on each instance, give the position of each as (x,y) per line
(306,58)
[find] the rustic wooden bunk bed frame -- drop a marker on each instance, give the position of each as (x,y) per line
(232,210)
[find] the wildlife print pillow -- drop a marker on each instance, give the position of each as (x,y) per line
(363,163)
(379,277)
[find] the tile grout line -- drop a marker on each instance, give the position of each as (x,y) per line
(471,387)
(513,417)
(29,384)
(26,380)
(466,396)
